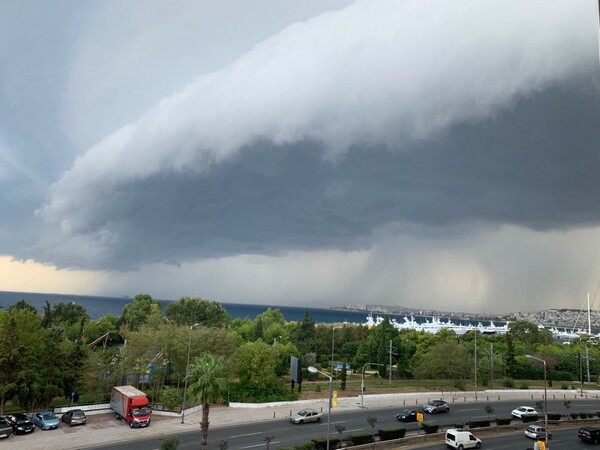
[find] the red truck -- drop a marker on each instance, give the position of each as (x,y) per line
(131,405)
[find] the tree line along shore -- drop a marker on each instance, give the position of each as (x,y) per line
(46,357)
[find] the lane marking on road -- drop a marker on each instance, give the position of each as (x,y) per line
(337,421)
(260,445)
(353,430)
(468,409)
(245,435)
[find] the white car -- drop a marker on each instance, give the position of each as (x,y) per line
(537,432)
(524,411)
(306,415)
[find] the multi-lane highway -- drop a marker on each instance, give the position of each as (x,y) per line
(285,434)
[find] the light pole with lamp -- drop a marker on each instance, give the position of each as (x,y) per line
(362,381)
(312,369)
(545,397)
(187,366)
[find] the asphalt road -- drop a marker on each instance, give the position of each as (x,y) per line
(286,434)
(561,440)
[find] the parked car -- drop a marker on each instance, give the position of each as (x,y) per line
(537,432)
(407,415)
(461,439)
(46,420)
(306,415)
(74,417)
(21,424)
(589,435)
(436,406)
(6,428)
(524,411)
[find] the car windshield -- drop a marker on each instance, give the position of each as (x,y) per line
(406,411)
(48,416)
(77,413)
(141,411)
(303,413)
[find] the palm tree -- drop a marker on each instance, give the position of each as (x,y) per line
(207,384)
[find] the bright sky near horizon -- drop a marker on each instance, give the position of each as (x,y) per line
(323,152)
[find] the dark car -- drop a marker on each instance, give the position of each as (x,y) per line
(407,415)
(5,428)
(21,424)
(589,435)
(74,417)
(436,406)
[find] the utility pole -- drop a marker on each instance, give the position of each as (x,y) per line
(491,365)
(391,352)
(475,364)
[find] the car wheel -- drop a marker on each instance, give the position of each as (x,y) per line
(318,419)
(460,447)
(130,424)
(478,445)
(117,416)
(301,422)
(434,411)
(447,410)
(549,437)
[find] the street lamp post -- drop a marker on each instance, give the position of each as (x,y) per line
(187,366)
(362,382)
(545,398)
(312,369)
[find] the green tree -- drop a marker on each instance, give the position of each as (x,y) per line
(207,384)
(305,335)
(256,363)
(435,363)
(11,358)
(191,310)
(372,420)
(136,313)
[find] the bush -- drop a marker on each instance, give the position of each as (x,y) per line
(249,393)
(478,423)
(458,426)
(310,445)
(559,375)
(389,433)
(574,415)
(506,420)
(564,386)
(508,383)
(170,443)
(554,416)
(171,397)
(523,385)
(320,443)
(529,418)
(583,415)
(430,427)
(361,438)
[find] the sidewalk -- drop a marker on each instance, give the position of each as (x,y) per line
(110,430)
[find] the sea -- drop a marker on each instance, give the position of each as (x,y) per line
(97,306)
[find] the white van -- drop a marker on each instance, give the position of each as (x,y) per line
(461,439)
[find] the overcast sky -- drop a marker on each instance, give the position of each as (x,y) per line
(442,154)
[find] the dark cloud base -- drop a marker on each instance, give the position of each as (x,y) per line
(534,166)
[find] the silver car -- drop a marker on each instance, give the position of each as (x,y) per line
(306,415)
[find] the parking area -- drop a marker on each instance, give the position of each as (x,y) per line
(78,436)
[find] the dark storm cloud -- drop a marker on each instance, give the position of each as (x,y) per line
(533,166)
(426,114)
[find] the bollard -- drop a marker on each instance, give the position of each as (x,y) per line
(498,398)
(531,396)
(404,402)
(273,414)
(465,398)
(553,396)
(487,398)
